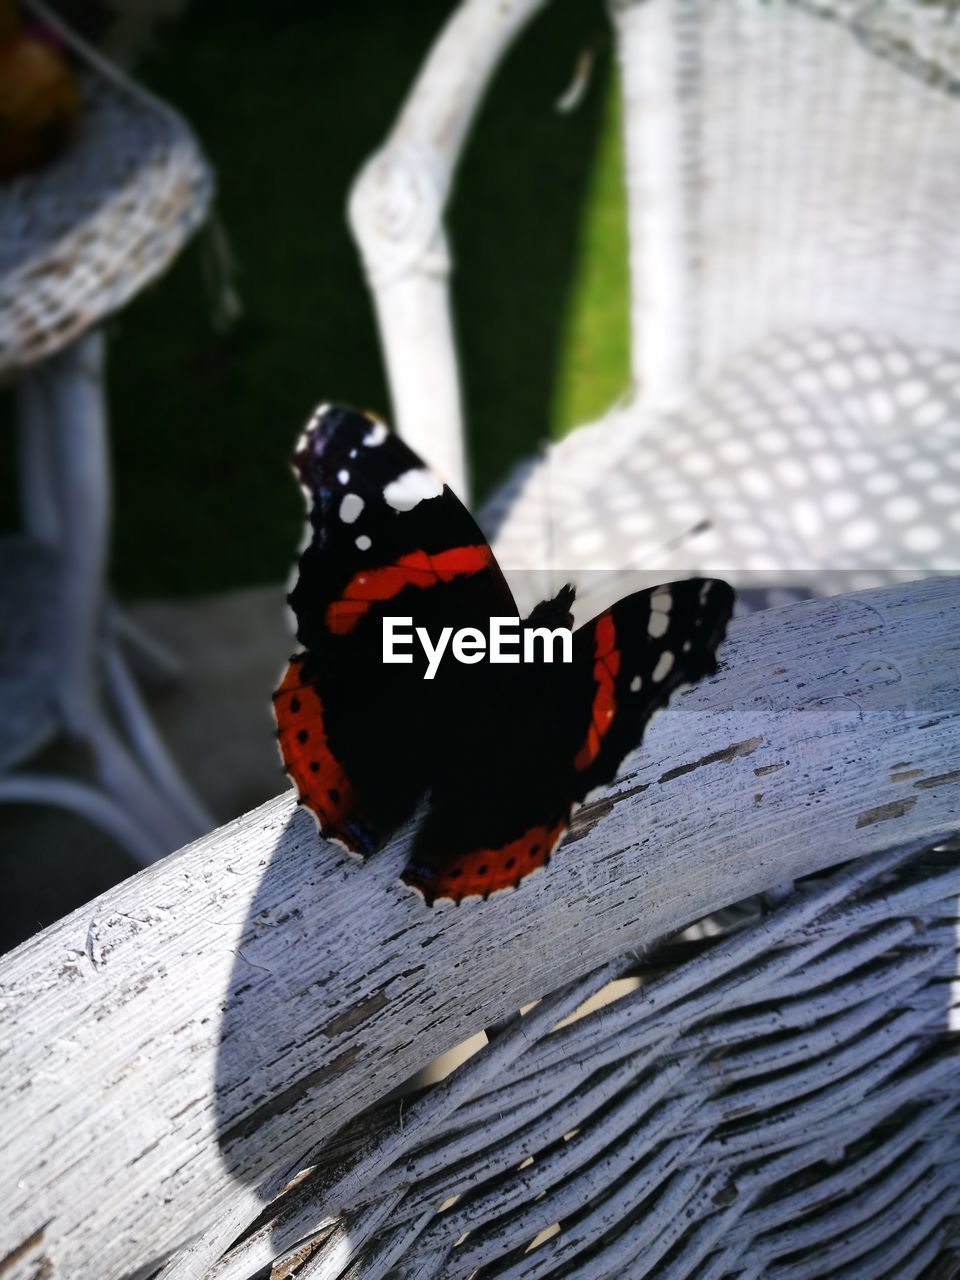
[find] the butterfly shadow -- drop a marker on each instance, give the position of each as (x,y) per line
(311,1032)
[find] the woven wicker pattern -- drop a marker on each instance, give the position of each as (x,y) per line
(80,237)
(773,1094)
(819,180)
(822,462)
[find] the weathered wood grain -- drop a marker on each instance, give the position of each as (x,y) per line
(177,1046)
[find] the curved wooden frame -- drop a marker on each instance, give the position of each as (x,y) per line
(396,214)
(177,1049)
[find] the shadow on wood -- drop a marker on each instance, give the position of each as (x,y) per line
(200,1030)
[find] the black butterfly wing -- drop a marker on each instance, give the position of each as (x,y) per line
(640,651)
(552,734)
(358,736)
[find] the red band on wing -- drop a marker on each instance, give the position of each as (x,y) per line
(418,569)
(486,870)
(605,667)
(322,785)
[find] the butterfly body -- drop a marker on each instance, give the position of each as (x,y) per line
(504,749)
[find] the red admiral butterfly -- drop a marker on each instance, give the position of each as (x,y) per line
(506,750)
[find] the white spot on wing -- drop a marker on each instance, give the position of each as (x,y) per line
(363,542)
(663,667)
(376,435)
(657,625)
(343,476)
(662,600)
(350,507)
(636,684)
(411,488)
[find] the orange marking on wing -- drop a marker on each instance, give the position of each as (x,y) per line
(343,615)
(417,569)
(486,870)
(318,776)
(605,667)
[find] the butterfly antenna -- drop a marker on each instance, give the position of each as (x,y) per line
(671,544)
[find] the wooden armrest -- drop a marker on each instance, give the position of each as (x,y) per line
(177,1048)
(396,214)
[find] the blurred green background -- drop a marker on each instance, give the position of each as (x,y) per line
(287,104)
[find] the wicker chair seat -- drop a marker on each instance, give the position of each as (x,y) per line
(752,1100)
(818,462)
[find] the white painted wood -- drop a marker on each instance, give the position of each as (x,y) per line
(786,169)
(784,173)
(396,214)
(658,213)
(176,1049)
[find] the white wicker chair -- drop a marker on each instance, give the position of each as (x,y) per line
(212,1062)
(792,173)
(203,1064)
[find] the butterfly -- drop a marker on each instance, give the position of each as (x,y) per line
(502,750)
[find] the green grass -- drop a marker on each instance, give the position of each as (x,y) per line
(595,352)
(287,106)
